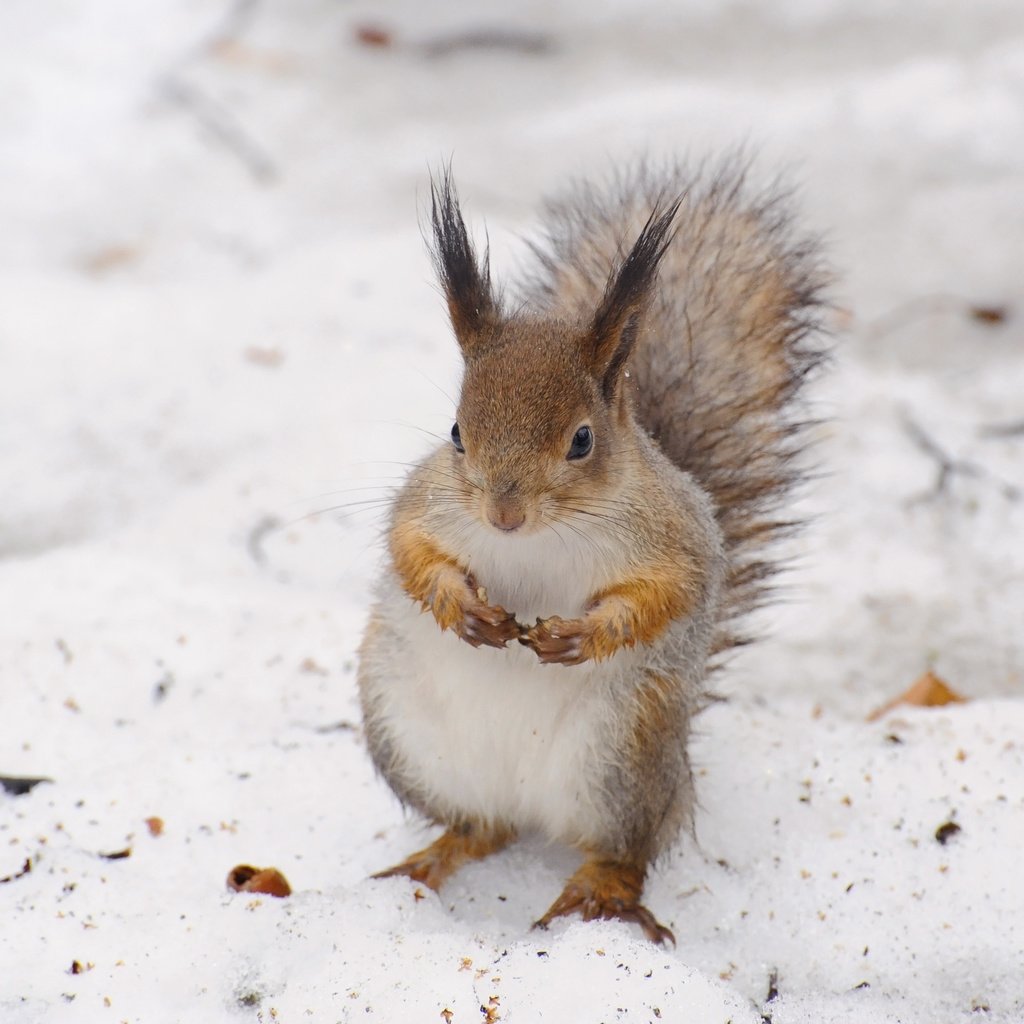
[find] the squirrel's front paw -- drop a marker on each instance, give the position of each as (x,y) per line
(463,608)
(558,641)
(487,624)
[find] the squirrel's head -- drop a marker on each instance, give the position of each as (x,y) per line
(544,423)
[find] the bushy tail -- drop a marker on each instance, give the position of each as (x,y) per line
(730,337)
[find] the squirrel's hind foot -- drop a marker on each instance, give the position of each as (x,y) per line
(608,889)
(459,844)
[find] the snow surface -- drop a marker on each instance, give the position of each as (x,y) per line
(218,324)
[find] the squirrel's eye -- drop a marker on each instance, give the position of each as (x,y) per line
(582,442)
(457,438)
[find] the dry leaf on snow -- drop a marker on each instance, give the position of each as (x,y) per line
(928,692)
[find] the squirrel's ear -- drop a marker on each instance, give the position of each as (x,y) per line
(466,283)
(616,324)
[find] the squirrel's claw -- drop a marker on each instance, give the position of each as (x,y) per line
(495,631)
(434,864)
(653,929)
(461,606)
(490,625)
(596,892)
(557,641)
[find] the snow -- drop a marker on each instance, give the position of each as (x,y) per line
(210,340)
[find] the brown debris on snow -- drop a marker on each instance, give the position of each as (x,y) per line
(929,691)
(245,878)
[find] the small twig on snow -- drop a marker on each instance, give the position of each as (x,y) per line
(254,543)
(773,994)
(219,123)
(236,21)
(514,40)
(925,306)
(949,466)
(1013,429)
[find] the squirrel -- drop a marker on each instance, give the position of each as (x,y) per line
(627,433)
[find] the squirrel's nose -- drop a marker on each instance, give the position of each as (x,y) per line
(506,515)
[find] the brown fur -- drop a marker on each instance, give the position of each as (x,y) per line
(634,612)
(655,716)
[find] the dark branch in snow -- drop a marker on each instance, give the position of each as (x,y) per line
(948,466)
(510,39)
(216,120)
(236,21)
(25,869)
(773,994)
(221,126)
(1014,429)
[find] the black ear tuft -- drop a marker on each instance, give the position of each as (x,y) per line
(466,284)
(616,324)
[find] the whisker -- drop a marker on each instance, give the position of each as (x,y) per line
(585,536)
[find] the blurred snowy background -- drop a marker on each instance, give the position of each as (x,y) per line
(218,323)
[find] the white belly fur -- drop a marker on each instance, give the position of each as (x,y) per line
(550,572)
(494,734)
